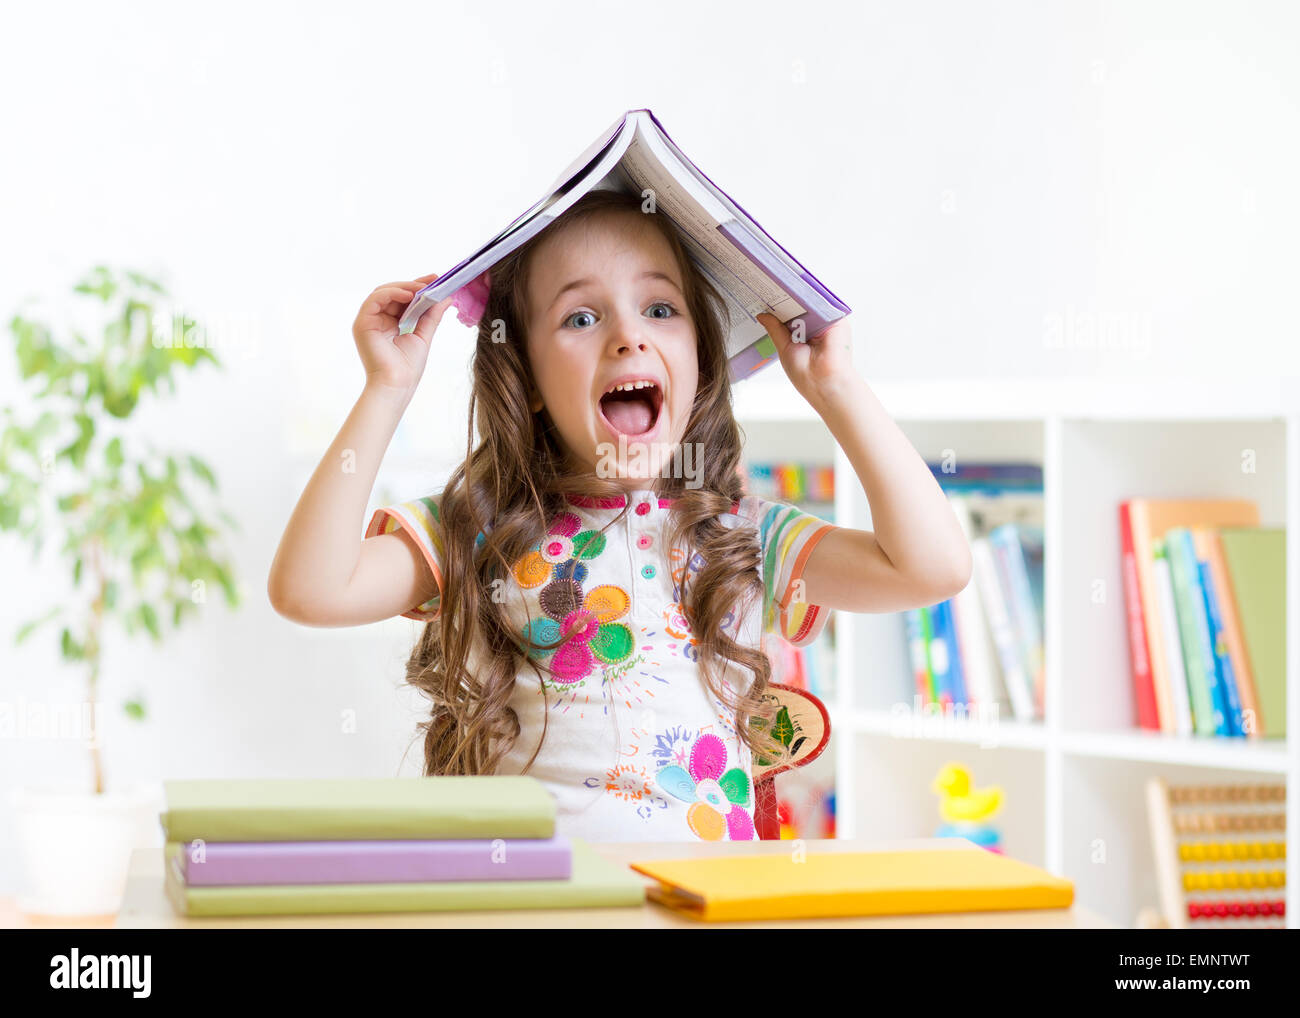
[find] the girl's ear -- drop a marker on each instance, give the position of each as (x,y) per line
(535,400)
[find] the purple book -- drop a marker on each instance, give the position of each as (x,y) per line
(635,155)
(362,862)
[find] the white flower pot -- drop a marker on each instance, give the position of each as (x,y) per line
(76,846)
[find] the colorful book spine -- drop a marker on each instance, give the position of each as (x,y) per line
(994,597)
(937,652)
(999,476)
(979,663)
(1139,660)
(948,631)
(1011,561)
(1166,617)
(1256,561)
(1207,702)
(1210,548)
(363,862)
(1219,645)
(923,679)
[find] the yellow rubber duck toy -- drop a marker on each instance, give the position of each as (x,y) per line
(956,800)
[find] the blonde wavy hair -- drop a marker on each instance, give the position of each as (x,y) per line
(513,482)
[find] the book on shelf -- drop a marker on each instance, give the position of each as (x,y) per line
(1167,615)
(634,155)
(1209,703)
(1217,658)
(983,648)
(1018,555)
(785,481)
(1255,560)
(1193,669)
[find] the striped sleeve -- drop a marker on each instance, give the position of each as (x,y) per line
(419,518)
(786,538)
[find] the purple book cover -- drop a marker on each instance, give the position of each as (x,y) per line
(749,348)
(360,862)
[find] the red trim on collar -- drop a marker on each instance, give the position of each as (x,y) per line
(618,501)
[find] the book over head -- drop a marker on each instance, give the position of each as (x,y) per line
(753,273)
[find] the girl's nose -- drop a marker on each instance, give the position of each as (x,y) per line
(626,338)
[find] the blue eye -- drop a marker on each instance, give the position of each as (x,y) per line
(656,304)
(575,315)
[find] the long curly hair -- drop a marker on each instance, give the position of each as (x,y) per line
(513,482)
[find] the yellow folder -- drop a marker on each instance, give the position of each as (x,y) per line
(813,885)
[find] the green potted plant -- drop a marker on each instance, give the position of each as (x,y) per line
(135,538)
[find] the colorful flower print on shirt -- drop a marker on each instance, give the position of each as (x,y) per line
(718,795)
(578,629)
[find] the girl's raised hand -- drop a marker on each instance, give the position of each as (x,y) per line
(394,361)
(818,365)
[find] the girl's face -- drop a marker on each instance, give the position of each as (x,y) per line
(612,346)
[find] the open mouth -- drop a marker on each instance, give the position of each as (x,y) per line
(632,407)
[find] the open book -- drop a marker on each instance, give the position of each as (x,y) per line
(752,271)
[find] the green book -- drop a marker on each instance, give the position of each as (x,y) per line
(332,809)
(1256,559)
(595,883)
(1207,719)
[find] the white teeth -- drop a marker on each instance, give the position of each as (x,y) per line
(630,386)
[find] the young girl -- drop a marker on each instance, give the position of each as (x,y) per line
(594,582)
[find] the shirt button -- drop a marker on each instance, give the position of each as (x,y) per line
(648,572)
(642,508)
(644,541)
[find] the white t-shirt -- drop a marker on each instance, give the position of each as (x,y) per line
(636,747)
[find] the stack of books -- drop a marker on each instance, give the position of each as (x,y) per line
(984,647)
(349,845)
(1204,590)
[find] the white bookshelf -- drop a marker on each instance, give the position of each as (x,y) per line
(1073,783)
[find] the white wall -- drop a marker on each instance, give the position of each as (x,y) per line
(976,180)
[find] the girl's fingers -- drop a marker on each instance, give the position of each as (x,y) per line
(428,322)
(412,284)
(779,333)
(395,295)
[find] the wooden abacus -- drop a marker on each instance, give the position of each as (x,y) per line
(1220,854)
